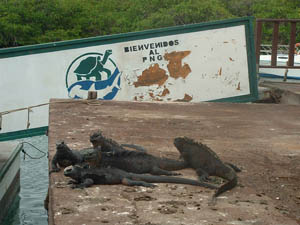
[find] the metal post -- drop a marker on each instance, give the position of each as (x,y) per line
(292,44)
(92,95)
(258,40)
(275,44)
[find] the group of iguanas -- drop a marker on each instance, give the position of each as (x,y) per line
(111,163)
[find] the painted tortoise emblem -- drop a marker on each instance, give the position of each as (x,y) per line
(93,72)
(93,66)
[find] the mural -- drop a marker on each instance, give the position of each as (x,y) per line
(93,72)
(212,61)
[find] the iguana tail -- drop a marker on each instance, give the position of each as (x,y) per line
(227,186)
(174,180)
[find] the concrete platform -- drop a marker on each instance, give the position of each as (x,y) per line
(262,139)
(280,92)
(9,174)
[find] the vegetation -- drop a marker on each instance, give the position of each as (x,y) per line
(25,22)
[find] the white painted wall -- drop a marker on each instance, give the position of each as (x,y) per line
(217,59)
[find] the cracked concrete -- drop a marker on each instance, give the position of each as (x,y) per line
(262,139)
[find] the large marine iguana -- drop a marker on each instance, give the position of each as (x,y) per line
(130,161)
(206,163)
(109,145)
(133,161)
(64,156)
(86,177)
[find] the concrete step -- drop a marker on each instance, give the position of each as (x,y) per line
(279,92)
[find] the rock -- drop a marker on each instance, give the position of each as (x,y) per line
(144,198)
(66,210)
(167,210)
(263,202)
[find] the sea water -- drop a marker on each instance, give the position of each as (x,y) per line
(28,207)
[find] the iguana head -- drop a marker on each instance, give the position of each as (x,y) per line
(97,139)
(62,147)
(181,144)
(73,172)
(65,154)
(94,158)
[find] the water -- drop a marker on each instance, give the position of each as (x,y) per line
(28,208)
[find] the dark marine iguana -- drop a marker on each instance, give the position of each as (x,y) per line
(86,177)
(130,161)
(65,156)
(110,146)
(133,161)
(206,163)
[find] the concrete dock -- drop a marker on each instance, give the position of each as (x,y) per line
(9,174)
(280,92)
(262,139)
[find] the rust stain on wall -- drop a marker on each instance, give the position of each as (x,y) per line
(220,71)
(239,86)
(175,67)
(186,98)
(138,98)
(153,75)
(158,99)
(165,92)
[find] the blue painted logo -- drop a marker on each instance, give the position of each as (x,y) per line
(93,72)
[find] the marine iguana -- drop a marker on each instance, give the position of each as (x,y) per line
(130,161)
(65,156)
(133,161)
(109,145)
(86,177)
(113,154)
(206,163)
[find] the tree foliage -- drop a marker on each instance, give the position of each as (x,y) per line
(25,22)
